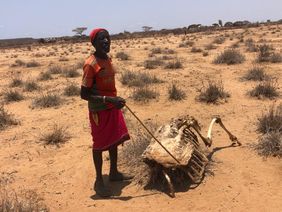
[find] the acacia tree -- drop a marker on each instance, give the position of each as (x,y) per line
(146,28)
(79,30)
(220,23)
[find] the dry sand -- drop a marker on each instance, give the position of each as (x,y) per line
(242,181)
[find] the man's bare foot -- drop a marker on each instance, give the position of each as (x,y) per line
(101,189)
(120,177)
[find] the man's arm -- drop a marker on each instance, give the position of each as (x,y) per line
(86,94)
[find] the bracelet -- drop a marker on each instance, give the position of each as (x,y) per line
(104,99)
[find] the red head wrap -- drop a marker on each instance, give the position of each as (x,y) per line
(94,32)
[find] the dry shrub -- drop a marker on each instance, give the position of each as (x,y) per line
(63,59)
(235,45)
(70,72)
(44,76)
(251,47)
(270,144)
(176,93)
(156,51)
(122,56)
(58,135)
(213,93)
(176,64)
(26,200)
(166,57)
(219,40)
(267,89)
(144,94)
(266,53)
(138,79)
(13,96)
(32,64)
(153,63)
(196,50)
(275,58)
(205,54)
(80,64)
(18,62)
(31,85)
(131,155)
(47,100)
(72,90)
(270,121)
(229,57)
(256,74)
(55,69)
(186,44)
(210,46)
(6,119)
(16,82)
(168,51)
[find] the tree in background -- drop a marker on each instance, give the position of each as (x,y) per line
(220,23)
(146,28)
(79,30)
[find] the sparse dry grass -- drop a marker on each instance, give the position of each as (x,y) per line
(267,54)
(56,136)
(13,96)
(256,74)
(70,72)
(186,44)
(144,94)
(72,90)
(270,121)
(175,93)
(266,89)
(24,201)
(16,82)
(196,50)
(131,156)
(44,76)
(153,63)
(229,57)
(32,64)
(213,92)
(270,145)
(175,64)
(31,85)
(47,100)
(122,56)
(138,79)
(219,40)
(6,119)
(55,69)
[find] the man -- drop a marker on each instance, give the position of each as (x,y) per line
(108,127)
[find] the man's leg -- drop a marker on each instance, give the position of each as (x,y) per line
(115,175)
(113,152)
(98,163)
(99,185)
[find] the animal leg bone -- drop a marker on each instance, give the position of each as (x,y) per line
(231,136)
(207,141)
(171,188)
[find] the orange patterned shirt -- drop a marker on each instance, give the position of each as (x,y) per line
(99,75)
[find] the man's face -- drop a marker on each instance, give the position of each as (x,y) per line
(102,42)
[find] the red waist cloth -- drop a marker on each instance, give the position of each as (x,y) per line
(108,128)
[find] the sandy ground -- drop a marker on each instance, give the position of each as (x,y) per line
(63,176)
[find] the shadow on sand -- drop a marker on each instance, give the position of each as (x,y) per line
(116,188)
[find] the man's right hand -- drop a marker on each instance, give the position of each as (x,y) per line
(118,102)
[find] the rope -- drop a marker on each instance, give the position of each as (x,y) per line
(152,134)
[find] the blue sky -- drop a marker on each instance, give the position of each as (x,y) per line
(46,18)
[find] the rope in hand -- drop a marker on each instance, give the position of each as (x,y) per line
(151,134)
